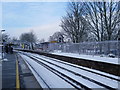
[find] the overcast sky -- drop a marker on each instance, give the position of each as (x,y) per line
(43,18)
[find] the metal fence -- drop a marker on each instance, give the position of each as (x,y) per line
(90,48)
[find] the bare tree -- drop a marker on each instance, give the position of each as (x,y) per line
(14,39)
(42,40)
(74,24)
(57,36)
(6,37)
(29,38)
(104,18)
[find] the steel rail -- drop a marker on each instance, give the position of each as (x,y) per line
(108,87)
(63,76)
(37,73)
(117,79)
(82,68)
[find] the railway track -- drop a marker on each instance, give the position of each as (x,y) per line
(72,77)
(35,72)
(56,60)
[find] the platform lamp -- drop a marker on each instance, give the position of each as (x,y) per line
(2,41)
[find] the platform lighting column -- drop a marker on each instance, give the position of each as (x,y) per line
(2,42)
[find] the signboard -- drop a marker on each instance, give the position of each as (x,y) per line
(53,42)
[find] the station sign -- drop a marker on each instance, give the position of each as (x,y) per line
(53,42)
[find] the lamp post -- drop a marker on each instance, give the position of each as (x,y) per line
(2,42)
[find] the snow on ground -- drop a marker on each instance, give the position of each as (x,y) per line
(93,70)
(52,82)
(50,78)
(77,78)
(104,80)
(90,57)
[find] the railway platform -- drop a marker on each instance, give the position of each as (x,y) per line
(9,71)
(30,70)
(15,73)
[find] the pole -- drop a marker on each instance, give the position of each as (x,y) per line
(2,43)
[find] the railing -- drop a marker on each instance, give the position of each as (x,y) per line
(90,48)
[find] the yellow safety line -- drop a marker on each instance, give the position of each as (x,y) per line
(17,77)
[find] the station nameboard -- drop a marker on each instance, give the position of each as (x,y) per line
(53,42)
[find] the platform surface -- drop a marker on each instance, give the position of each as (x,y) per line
(9,71)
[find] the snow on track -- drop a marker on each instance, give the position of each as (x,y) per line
(84,68)
(50,78)
(107,81)
(104,80)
